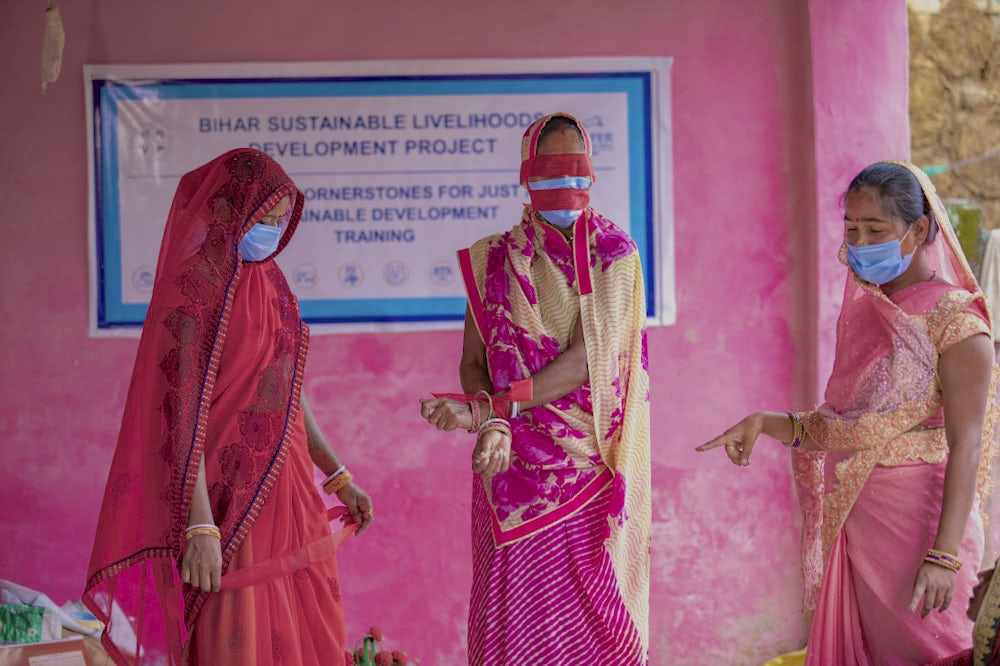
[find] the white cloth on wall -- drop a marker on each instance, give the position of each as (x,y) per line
(990,278)
(52,45)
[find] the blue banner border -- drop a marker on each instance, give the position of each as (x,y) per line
(113,313)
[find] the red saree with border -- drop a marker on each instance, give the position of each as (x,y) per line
(217,378)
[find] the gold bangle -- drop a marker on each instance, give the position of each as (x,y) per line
(498,426)
(943,559)
(334,474)
(198,531)
(487,398)
(798,431)
(338,483)
(476,415)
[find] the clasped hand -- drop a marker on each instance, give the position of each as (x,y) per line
(492,452)
(446,414)
(936,585)
(359,506)
(201,563)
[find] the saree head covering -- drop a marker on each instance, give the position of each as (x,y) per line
(191,328)
(882,404)
(527,288)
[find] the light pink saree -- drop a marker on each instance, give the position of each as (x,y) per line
(871,503)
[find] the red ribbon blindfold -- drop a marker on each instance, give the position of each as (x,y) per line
(563,199)
(556,166)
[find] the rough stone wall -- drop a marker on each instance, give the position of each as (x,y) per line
(954,116)
(954,95)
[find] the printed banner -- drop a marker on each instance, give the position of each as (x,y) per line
(401,163)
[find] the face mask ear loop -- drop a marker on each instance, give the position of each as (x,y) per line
(909,228)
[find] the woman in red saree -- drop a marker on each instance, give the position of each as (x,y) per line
(891,468)
(561,512)
(213,545)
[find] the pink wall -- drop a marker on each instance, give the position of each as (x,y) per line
(851,84)
(775,105)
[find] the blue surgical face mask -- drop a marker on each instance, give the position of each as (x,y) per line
(260,242)
(566,217)
(571,182)
(560,218)
(879,263)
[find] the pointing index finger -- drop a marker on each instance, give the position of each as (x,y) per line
(714,444)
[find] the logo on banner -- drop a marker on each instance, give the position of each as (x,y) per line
(351,275)
(142,279)
(396,273)
(306,276)
(442,273)
(148,147)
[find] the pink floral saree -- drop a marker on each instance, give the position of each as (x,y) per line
(872,500)
(561,539)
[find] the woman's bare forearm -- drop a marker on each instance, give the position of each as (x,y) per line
(959,494)
(200,511)
(320,451)
(964,371)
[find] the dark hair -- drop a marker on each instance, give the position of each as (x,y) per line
(897,191)
(559,123)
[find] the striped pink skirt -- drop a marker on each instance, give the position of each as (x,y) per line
(549,599)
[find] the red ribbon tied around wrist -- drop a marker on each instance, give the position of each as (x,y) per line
(519,390)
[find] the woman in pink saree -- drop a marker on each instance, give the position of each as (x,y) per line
(891,468)
(213,545)
(555,345)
